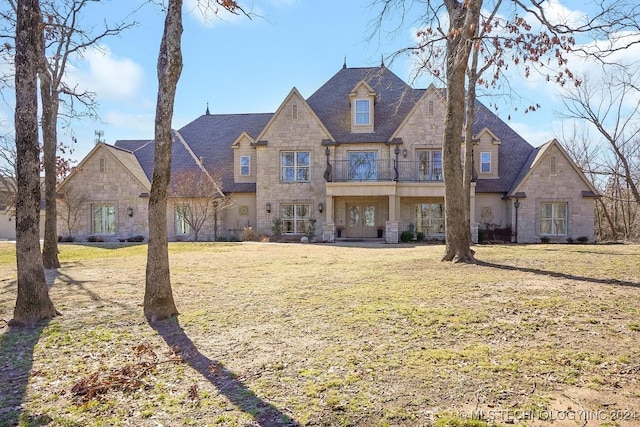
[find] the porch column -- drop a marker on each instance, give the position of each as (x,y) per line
(394,208)
(329,226)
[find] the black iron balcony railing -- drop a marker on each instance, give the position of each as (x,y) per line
(384,170)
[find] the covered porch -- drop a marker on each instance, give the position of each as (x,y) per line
(383,210)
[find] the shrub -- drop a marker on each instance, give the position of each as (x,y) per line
(138,238)
(583,239)
(276,229)
(66,239)
(406,236)
(482,235)
(249,235)
(222,239)
(544,239)
(93,238)
(569,240)
(420,236)
(311,229)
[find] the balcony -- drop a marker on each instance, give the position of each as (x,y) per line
(371,170)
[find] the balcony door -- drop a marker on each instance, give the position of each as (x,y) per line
(363,166)
(361,220)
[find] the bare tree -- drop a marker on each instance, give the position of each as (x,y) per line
(63,38)
(158,296)
(8,182)
(72,202)
(33,303)
(612,106)
(197,198)
(467,28)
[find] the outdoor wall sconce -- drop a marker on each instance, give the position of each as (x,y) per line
(404,153)
(268,207)
(130,211)
(320,207)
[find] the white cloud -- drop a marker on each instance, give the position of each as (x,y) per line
(534,135)
(558,14)
(109,76)
(133,125)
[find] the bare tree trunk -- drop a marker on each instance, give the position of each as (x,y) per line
(50,104)
(33,303)
(158,297)
(463,21)
(468,138)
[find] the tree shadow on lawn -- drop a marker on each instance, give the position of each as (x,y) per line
(264,413)
(559,274)
(16,360)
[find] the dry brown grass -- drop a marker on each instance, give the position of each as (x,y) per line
(362,335)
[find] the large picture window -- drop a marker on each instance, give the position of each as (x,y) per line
(182,220)
(295,166)
(295,217)
(553,218)
(430,218)
(103,219)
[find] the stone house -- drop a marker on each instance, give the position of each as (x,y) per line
(359,158)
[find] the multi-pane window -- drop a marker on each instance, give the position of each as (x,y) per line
(295,217)
(295,166)
(429,165)
(103,219)
(553,218)
(485,162)
(245,165)
(362,112)
(430,218)
(363,165)
(294,111)
(182,220)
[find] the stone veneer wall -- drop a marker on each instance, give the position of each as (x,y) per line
(567,186)
(115,186)
(288,134)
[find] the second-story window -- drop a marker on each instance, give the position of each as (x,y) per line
(245,165)
(362,112)
(294,166)
(485,162)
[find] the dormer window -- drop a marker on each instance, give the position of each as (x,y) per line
(362,99)
(362,112)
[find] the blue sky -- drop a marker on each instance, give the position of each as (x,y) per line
(237,65)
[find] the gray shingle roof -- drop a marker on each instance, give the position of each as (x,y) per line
(394,100)
(210,136)
(512,155)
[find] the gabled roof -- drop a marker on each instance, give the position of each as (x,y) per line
(293,93)
(208,140)
(394,99)
(536,157)
(125,157)
(205,142)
